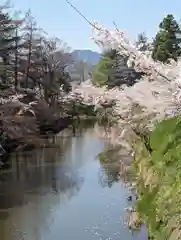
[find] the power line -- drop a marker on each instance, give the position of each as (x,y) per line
(86,19)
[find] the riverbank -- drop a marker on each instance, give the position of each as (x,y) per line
(158,180)
(25,118)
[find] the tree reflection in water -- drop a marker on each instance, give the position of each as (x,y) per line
(39,172)
(108,177)
(109,172)
(115,162)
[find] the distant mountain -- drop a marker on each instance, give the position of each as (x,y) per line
(89,56)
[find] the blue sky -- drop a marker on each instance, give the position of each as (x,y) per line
(134,16)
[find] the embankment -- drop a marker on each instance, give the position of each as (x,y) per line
(158,176)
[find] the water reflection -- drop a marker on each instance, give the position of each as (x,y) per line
(54,193)
(40,172)
(108,176)
(110,170)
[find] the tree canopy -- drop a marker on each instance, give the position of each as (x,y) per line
(166,44)
(104,68)
(112,70)
(142,42)
(31,60)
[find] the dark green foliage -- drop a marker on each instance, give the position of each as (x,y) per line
(112,70)
(83,109)
(7,34)
(7,44)
(142,42)
(79,109)
(167,41)
(111,54)
(103,71)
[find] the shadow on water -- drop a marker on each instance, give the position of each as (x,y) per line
(64,192)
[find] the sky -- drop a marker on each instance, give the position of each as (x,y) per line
(58,19)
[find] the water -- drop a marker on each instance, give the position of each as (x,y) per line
(62,193)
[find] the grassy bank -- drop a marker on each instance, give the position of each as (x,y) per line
(158,170)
